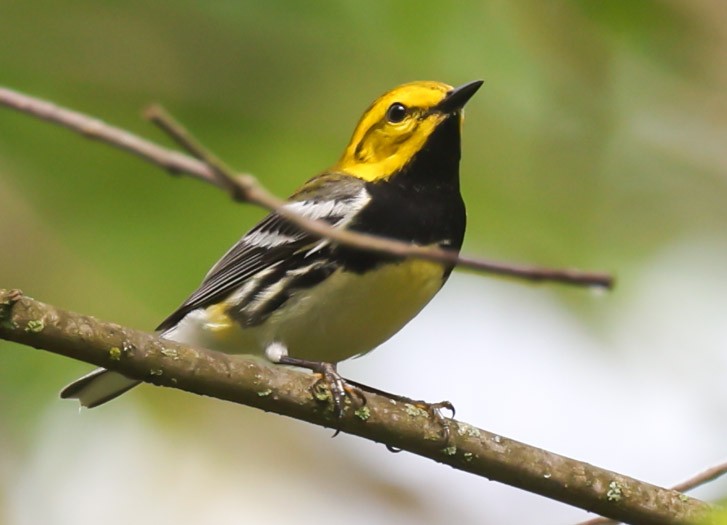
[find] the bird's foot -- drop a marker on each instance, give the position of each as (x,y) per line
(433,410)
(330,384)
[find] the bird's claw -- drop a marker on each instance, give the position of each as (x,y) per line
(340,390)
(435,412)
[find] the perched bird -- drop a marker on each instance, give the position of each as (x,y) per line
(304,301)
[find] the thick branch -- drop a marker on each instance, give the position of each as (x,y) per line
(288,392)
(246,188)
(695,481)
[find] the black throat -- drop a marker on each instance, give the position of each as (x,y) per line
(436,166)
(421,204)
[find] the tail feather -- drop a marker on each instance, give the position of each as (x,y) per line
(98,387)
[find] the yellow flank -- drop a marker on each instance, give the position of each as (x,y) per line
(218,321)
(349,314)
(346,315)
(379,148)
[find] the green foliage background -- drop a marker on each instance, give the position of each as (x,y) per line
(597,140)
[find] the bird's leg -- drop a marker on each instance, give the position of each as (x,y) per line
(337,385)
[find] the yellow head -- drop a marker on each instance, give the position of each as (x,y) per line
(398,124)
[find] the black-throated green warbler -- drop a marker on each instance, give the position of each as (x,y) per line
(304,301)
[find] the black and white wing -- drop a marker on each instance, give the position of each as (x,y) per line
(275,242)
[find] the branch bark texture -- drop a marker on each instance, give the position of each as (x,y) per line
(289,392)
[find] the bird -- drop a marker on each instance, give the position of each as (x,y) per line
(295,299)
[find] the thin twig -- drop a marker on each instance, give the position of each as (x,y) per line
(96,129)
(703,477)
(695,481)
(234,184)
(247,188)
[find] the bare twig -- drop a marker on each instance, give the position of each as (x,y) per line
(287,391)
(96,129)
(246,188)
(703,477)
(695,481)
(238,186)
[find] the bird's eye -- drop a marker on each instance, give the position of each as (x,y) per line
(396,113)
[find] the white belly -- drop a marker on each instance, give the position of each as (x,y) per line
(349,314)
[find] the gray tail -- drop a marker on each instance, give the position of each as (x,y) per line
(98,387)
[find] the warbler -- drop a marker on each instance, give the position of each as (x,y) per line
(305,301)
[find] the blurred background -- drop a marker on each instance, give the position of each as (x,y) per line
(598,142)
